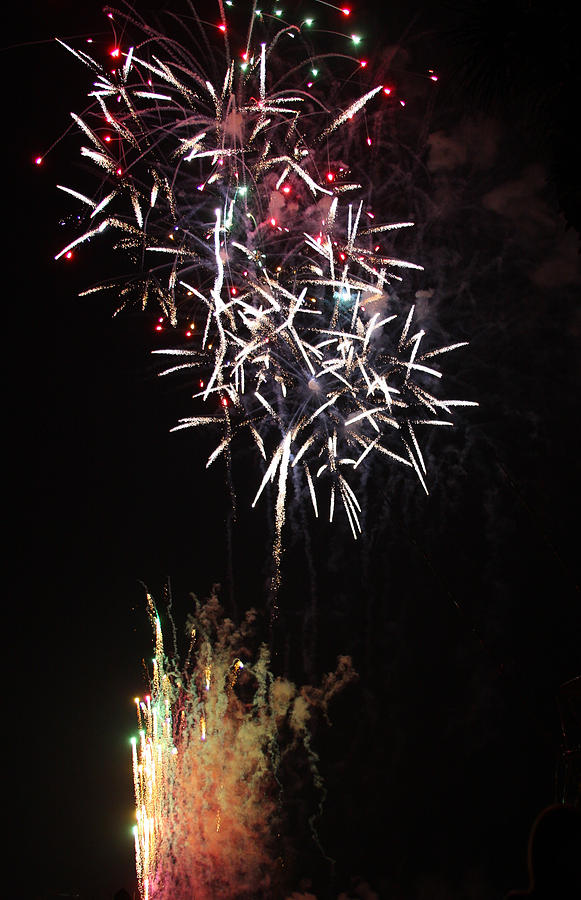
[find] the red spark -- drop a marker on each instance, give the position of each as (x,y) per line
(115,53)
(38,161)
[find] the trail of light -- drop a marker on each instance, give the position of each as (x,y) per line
(350,111)
(78,195)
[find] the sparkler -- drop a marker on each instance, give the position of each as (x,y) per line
(229,194)
(206,765)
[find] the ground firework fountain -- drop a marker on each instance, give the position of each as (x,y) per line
(216,737)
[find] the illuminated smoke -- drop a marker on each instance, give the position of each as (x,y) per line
(214,736)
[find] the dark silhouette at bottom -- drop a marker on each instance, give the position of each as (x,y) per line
(554,855)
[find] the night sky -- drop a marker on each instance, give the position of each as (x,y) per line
(461,610)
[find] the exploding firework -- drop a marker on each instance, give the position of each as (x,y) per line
(215,736)
(228,191)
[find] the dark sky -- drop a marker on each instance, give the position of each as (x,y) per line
(461,610)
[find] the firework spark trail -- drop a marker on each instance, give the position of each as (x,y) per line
(153,764)
(213,737)
(229,196)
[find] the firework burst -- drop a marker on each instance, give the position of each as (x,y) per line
(229,193)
